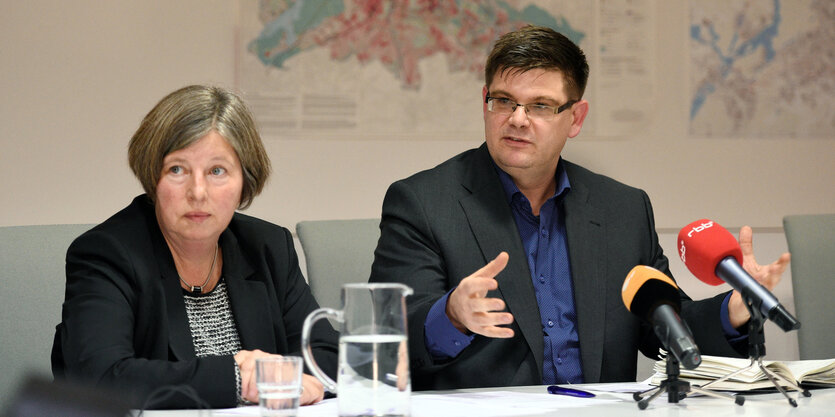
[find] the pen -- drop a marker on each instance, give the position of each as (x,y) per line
(554,389)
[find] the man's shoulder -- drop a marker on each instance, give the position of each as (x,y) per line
(593,181)
(448,173)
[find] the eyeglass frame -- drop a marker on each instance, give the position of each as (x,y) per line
(557,109)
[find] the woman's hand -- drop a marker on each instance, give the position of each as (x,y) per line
(246,363)
(312,390)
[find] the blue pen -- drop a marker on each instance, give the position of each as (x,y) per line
(554,389)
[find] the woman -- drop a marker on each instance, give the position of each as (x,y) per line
(178,289)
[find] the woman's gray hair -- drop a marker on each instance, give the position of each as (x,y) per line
(187,115)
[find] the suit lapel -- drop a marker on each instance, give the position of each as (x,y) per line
(247,296)
(492,223)
(179,332)
(585,230)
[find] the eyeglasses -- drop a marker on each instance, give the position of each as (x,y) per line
(533,110)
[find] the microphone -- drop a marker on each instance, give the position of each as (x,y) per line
(653,296)
(713,255)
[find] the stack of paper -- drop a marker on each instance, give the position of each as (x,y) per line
(817,372)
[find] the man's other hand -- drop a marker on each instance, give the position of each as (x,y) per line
(469,309)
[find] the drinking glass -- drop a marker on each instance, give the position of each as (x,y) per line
(279,382)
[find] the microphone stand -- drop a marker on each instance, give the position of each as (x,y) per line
(677,389)
(756,351)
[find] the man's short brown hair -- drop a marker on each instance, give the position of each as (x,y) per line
(539,47)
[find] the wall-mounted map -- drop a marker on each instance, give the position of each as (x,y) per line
(394,68)
(762,68)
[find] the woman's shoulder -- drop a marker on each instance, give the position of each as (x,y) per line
(256,231)
(129,242)
(127,225)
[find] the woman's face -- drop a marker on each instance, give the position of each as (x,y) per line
(199,190)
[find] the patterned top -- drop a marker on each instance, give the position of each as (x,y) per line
(212,325)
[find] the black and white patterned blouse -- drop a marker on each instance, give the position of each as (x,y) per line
(212,325)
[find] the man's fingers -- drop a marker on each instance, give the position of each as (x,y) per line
(493,267)
(477,287)
(468,301)
(746,241)
(482,281)
(775,271)
(784,260)
(491,319)
(483,305)
(495,332)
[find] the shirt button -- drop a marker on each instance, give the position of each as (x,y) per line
(559,361)
(550,323)
(456,343)
(544,233)
(542,279)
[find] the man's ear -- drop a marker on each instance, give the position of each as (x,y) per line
(484,101)
(578,115)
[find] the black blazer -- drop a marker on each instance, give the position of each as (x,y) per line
(124,322)
(443,224)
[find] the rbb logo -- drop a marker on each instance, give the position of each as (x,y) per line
(700,227)
(696,229)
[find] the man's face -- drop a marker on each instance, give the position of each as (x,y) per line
(524,147)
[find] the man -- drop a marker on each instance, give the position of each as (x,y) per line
(557,240)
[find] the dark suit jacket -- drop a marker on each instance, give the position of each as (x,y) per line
(124,319)
(443,224)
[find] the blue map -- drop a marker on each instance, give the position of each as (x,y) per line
(762,68)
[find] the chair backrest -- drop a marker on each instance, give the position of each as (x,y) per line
(337,252)
(32,281)
(811,240)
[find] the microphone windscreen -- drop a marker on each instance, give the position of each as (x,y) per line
(645,288)
(702,245)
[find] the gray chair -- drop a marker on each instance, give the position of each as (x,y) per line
(337,252)
(811,240)
(32,281)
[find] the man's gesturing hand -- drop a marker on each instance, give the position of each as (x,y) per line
(468,308)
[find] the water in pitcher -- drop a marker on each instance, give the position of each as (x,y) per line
(374,375)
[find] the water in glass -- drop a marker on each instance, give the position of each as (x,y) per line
(278,400)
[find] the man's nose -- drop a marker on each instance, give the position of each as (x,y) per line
(519,116)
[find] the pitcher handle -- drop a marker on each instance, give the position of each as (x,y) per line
(307,351)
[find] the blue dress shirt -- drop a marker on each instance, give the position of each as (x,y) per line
(543,237)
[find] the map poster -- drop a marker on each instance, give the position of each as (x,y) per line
(415,69)
(762,68)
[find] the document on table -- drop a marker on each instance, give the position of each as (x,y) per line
(495,403)
(482,404)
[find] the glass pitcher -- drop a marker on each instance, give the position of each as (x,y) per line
(373,376)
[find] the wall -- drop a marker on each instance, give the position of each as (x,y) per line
(78,76)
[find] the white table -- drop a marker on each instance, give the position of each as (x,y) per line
(821,403)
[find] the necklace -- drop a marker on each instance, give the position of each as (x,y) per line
(199,289)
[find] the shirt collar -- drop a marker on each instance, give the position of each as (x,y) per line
(510,188)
